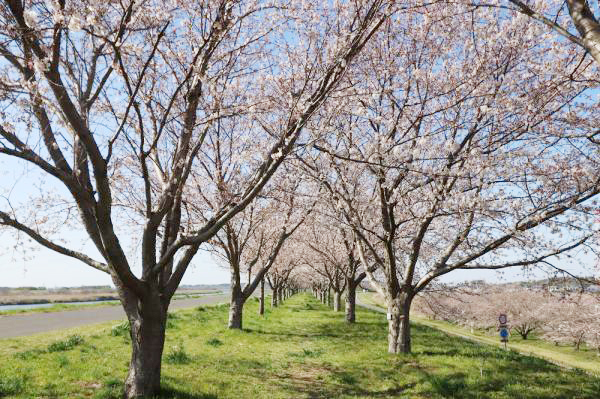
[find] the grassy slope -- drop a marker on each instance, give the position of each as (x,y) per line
(564,355)
(300,350)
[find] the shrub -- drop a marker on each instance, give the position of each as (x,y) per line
(62,360)
(214,342)
(11,384)
(122,329)
(170,324)
(178,355)
(67,344)
(29,354)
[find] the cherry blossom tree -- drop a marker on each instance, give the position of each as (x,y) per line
(579,24)
(115,101)
(331,254)
(253,240)
(442,164)
(573,319)
(326,256)
(280,273)
(527,310)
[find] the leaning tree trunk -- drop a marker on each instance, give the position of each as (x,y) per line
(261,307)
(351,303)
(337,300)
(147,318)
(399,324)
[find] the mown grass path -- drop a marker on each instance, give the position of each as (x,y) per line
(299,350)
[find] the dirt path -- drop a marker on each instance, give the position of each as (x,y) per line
(33,323)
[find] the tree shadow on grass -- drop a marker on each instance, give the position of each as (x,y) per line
(327,382)
(292,334)
(169,391)
(506,372)
(172,393)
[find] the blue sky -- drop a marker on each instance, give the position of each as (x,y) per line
(49,269)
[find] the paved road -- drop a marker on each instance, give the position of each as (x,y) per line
(33,323)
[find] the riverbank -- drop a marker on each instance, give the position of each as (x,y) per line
(18,296)
(299,350)
(49,307)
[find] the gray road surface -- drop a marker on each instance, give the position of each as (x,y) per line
(33,323)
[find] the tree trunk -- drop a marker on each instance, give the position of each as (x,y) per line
(236,309)
(328,297)
(236,304)
(274,298)
(337,300)
(261,307)
(148,321)
(399,324)
(280,295)
(351,303)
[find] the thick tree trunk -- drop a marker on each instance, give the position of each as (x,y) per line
(337,301)
(399,324)
(148,321)
(351,303)
(236,308)
(236,304)
(261,307)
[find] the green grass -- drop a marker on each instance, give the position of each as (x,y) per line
(565,355)
(299,350)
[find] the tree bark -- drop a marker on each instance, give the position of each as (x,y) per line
(351,303)
(399,324)
(274,298)
(337,300)
(261,307)
(147,318)
(236,304)
(280,295)
(236,308)
(328,297)
(587,26)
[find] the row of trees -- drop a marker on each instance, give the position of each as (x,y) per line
(571,318)
(307,144)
